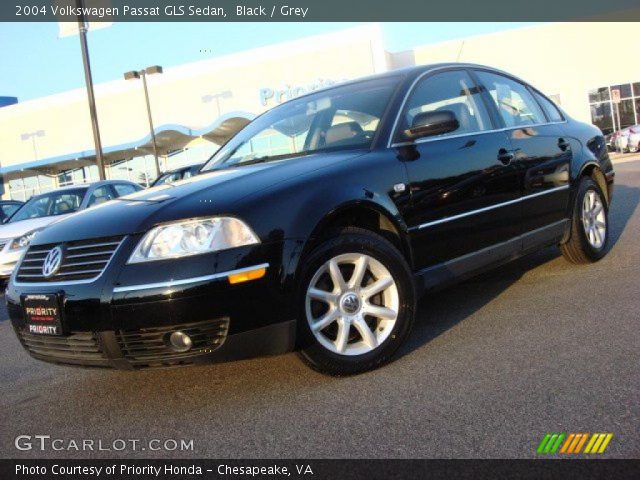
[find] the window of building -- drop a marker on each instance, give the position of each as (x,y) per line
(599,95)
(625,90)
(610,117)
(601,116)
(627,113)
(23,188)
(452,91)
(514,102)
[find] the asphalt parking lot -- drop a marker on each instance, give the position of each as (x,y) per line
(493,364)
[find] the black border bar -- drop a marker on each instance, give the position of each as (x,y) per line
(321,10)
(326,469)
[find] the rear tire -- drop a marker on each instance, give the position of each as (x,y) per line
(589,225)
(356,303)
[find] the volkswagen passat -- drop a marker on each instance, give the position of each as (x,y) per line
(318,226)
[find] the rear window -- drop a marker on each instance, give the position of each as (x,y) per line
(552,112)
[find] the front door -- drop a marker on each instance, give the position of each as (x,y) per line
(464,188)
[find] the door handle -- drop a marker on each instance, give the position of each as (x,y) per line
(563,145)
(505,156)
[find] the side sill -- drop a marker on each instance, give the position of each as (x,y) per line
(474,263)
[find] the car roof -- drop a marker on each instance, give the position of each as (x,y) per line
(84,186)
(412,71)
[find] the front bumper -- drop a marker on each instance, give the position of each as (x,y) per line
(124,318)
(148,348)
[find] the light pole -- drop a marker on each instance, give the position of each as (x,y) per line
(82,29)
(217,96)
(32,136)
(134,74)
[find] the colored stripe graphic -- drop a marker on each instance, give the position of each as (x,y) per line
(598,442)
(572,443)
(543,443)
(565,447)
(550,443)
(583,439)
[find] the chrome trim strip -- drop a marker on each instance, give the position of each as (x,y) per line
(186,281)
(460,135)
(486,209)
(463,67)
(64,282)
(94,245)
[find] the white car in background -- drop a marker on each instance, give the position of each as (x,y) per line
(628,139)
(46,208)
(633,141)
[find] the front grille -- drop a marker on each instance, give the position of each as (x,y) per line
(149,347)
(78,348)
(81,260)
(3,243)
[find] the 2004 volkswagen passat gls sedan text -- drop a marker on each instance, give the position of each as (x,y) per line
(318,225)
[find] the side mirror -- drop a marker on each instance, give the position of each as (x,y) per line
(426,124)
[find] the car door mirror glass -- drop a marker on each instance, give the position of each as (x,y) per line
(427,124)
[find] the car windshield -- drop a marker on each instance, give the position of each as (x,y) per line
(344,117)
(168,178)
(54,203)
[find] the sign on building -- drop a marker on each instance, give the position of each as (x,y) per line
(615,95)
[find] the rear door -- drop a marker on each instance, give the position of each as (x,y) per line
(464,191)
(542,153)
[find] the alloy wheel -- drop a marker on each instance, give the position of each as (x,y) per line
(594,220)
(352,304)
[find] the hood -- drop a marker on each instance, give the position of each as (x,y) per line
(17,229)
(207,194)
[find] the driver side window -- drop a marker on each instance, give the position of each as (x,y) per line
(452,91)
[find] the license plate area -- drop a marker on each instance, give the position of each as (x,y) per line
(43,314)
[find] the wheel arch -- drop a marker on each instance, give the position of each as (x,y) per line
(368,215)
(593,170)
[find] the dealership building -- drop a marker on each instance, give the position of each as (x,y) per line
(47,142)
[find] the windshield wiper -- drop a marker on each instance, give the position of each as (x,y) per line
(249,162)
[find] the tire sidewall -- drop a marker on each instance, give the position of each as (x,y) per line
(384,252)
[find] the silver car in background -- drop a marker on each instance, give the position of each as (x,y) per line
(46,208)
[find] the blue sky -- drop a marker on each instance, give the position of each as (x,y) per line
(36,63)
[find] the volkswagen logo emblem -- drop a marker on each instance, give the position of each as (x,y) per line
(350,303)
(52,262)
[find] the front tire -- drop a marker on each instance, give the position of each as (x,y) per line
(589,225)
(356,303)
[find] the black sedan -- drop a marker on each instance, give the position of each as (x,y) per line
(318,225)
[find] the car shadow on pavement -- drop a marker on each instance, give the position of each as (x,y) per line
(441,310)
(624,203)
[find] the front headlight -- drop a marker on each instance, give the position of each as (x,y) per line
(23,241)
(192,237)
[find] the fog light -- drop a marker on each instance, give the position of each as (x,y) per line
(180,342)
